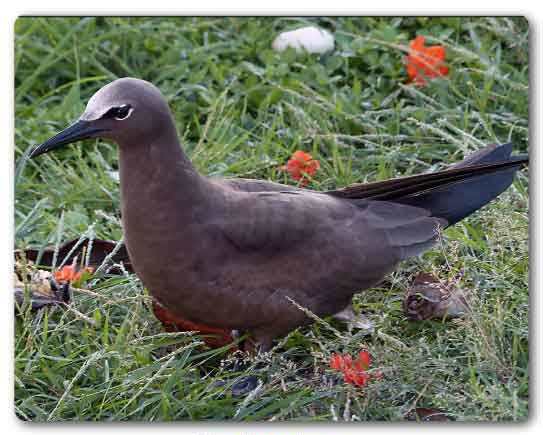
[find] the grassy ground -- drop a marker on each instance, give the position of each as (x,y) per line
(242,110)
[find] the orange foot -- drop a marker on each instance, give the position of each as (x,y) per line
(172,323)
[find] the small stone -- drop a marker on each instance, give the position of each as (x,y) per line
(244,386)
(311,39)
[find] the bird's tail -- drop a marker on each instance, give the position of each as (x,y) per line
(451,194)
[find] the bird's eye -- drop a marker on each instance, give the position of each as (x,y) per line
(123,112)
(119,113)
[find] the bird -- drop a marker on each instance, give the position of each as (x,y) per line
(245,254)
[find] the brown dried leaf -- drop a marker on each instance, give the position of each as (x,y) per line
(100,249)
(44,290)
(429,298)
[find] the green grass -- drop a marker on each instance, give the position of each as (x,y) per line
(241,110)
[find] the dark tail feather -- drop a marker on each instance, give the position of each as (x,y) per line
(451,194)
(456,201)
(490,154)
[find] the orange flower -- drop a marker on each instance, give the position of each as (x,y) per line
(301,165)
(364,359)
(340,362)
(336,362)
(354,372)
(70,274)
(425,62)
(355,377)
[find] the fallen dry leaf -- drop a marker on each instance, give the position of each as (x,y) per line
(100,249)
(429,298)
(43,289)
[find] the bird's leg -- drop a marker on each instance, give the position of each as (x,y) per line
(248,345)
(261,342)
(255,343)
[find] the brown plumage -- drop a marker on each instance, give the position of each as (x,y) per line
(230,253)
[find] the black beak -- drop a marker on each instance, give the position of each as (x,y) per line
(78,131)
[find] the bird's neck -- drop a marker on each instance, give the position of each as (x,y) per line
(159,185)
(164,202)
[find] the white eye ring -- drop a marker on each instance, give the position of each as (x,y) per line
(130,110)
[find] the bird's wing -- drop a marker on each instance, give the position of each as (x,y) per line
(314,248)
(277,221)
(271,220)
(250,185)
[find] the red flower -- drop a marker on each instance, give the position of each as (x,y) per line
(340,362)
(425,62)
(301,165)
(336,362)
(354,372)
(364,359)
(355,377)
(70,273)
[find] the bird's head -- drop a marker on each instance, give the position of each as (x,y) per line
(127,111)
